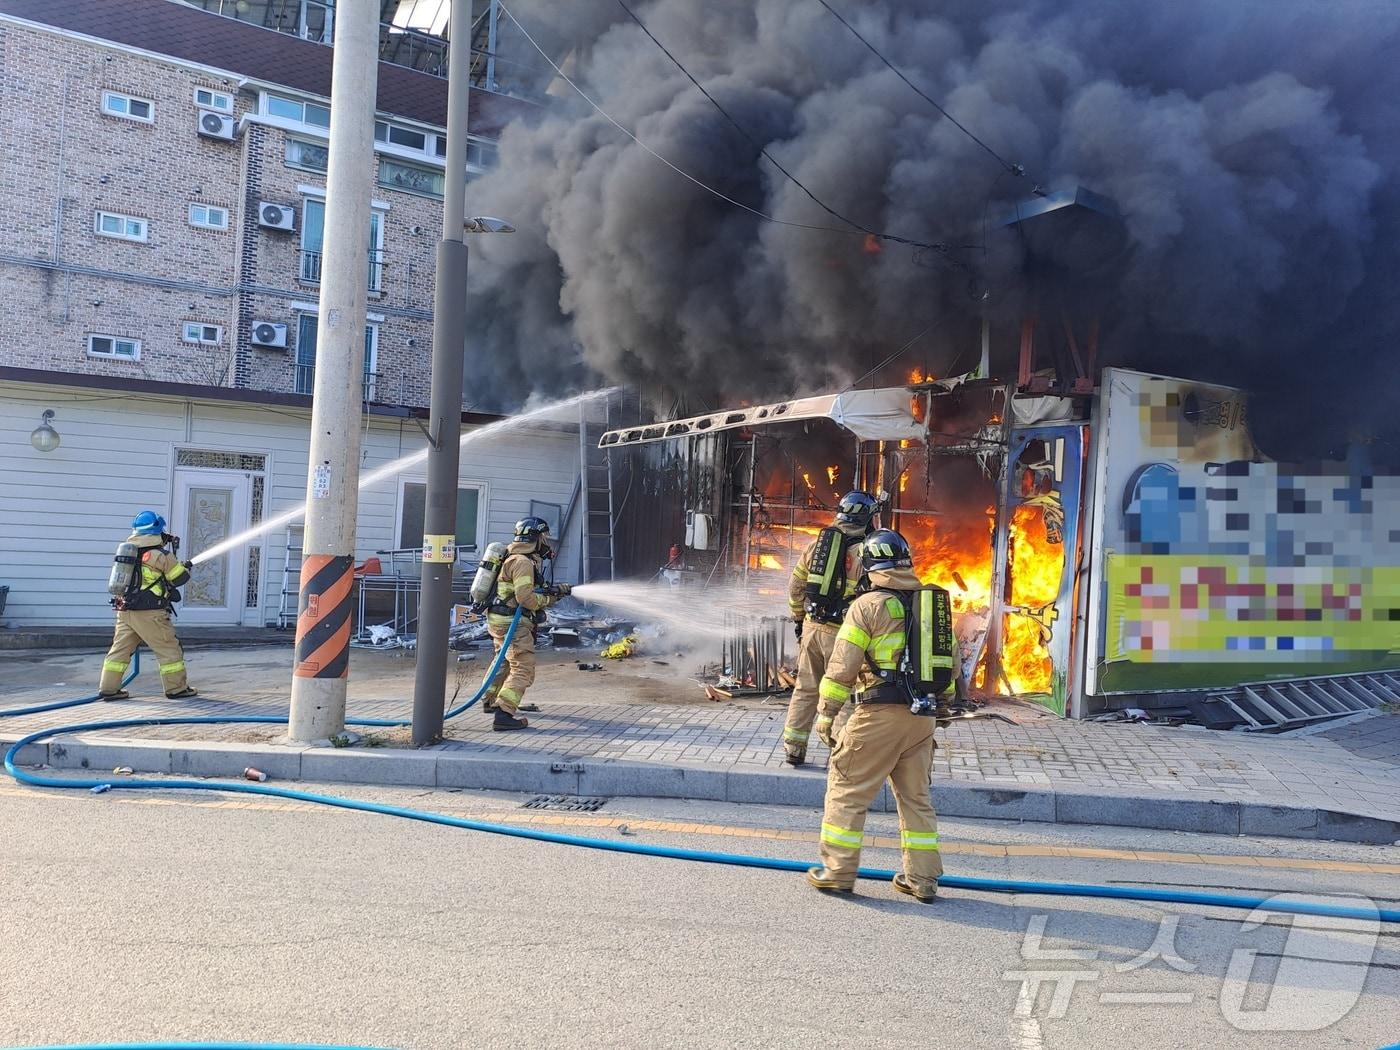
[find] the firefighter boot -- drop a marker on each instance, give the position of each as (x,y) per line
(120,694)
(794,754)
(505,721)
(824,880)
(925,892)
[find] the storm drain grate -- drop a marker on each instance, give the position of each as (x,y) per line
(575,803)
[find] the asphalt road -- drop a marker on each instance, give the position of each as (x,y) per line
(190,917)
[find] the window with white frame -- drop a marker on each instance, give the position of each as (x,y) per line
(411,178)
(208,98)
(412,500)
(203,334)
(209,216)
(313,235)
(294,109)
(304,380)
(123,227)
(117,104)
(311,156)
(114,346)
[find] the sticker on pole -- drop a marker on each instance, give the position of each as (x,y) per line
(439,548)
(321,482)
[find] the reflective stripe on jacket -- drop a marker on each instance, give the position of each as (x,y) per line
(874,628)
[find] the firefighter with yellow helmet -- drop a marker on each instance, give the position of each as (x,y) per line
(893,657)
(143,585)
(520,584)
(822,585)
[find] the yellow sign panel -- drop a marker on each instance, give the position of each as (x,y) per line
(440,548)
(1187,608)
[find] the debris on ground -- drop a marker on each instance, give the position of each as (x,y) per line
(621,649)
(590,667)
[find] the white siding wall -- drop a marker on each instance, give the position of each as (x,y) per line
(62,513)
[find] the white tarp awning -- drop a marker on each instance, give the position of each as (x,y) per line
(871,415)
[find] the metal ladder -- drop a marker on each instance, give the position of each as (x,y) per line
(596,494)
(291,579)
(1271,706)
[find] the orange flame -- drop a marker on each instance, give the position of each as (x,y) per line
(1036,568)
(807,480)
(768,561)
(832,473)
(956,554)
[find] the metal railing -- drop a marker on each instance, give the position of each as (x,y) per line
(304,382)
(399,45)
(309,268)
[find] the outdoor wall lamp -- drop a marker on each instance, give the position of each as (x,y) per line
(45,438)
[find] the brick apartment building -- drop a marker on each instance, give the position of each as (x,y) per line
(164,188)
(163,182)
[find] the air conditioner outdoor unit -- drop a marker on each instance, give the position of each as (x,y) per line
(276,216)
(215,125)
(269,334)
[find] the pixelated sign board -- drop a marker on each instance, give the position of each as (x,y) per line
(1212,567)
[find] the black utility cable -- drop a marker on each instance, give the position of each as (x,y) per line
(1012,169)
(941,248)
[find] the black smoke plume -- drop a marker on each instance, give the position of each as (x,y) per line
(1251,146)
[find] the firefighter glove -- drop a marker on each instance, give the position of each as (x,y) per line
(797,629)
(564,589)
(824,733)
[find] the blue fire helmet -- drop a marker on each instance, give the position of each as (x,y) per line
(148,523)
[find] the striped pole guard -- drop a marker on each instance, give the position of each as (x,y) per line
(323,622)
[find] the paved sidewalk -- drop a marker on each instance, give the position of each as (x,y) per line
(1342,783)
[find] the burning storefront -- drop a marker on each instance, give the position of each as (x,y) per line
(1115,546)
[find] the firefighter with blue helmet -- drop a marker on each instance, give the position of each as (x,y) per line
(893,659)
(822,585)
(143,602)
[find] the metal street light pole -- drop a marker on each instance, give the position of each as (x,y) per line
(445,411)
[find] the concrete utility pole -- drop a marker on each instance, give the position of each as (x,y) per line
(445,412)
(333,469)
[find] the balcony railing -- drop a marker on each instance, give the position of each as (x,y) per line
(309,270)
(304,382)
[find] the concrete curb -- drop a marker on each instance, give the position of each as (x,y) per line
(563,775)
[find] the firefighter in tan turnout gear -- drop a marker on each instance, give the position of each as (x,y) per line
(821,588)
(143,582)
(520,584)
(894,658)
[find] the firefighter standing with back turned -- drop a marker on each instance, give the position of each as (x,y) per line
(822,585)
(894,652)
(143,584)
(520,584)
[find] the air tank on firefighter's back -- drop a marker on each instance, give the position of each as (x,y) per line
(484,583)
(123,568)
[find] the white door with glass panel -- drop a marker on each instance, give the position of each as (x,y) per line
(210,506)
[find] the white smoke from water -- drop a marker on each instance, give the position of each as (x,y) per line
(686,616)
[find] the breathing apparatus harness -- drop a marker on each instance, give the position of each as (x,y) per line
(826,600)
(134,595)
(925,669)
(924,672)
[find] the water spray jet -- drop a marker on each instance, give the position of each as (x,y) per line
(391,469)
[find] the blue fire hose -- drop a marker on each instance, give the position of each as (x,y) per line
(1060,889)
(195,1046)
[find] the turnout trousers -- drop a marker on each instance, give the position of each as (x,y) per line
(812,655)
(882,741)
(517,670)
(153,627)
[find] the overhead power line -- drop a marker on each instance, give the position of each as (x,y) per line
(1011,169)
(856,229)
(763,150)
